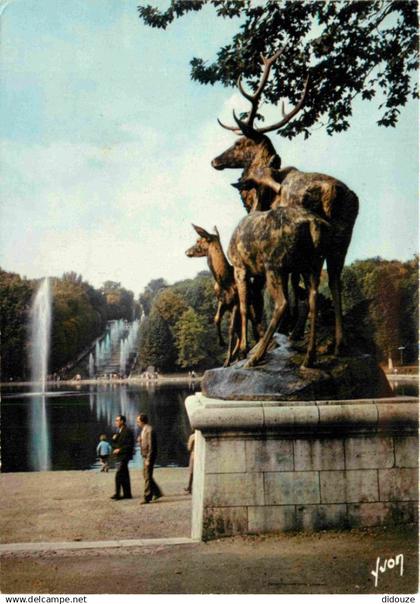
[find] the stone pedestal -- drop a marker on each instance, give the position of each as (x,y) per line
(264,466)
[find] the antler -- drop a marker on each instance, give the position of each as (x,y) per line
(288,116)
(255,98)
(247,127)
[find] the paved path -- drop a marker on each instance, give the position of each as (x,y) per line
(328,562)
(62,534)
(76,506)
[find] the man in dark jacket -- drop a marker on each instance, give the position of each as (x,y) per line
(123,443)
(148,447)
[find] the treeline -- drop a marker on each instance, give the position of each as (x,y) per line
(177,332)
(390,290)
(79,315)
(380,297)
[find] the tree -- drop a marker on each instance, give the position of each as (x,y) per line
(350,48)
(15,302)
(199,293)
(165,330)
(76,321)
(191,339)
(73,277)
(170,305)
(352,290)
(157,346)
(409,310)
(110,286)
(150,291)
(390,288)
(120,301)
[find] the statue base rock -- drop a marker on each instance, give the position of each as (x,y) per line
(281,378)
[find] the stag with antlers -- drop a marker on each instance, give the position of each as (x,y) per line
(323,194)
(209,245)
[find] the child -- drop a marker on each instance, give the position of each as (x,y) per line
(104,450)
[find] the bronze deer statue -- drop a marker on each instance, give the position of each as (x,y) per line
(273,245)
(209,245)
(327,196)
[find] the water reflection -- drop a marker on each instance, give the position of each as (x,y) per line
(40,456)
(77,418)
(405,387)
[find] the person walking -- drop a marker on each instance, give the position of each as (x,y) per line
(103,451)
(148,447)
(123,443)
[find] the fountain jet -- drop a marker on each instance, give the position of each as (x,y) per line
(40,343)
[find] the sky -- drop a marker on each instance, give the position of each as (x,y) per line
(106,144)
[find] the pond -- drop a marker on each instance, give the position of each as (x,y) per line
(75,418)
(405,387)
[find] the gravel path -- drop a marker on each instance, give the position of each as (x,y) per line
(75,506)
(276,564)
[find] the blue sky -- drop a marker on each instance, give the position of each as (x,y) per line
(105,147)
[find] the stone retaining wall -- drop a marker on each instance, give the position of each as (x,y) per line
(264,467)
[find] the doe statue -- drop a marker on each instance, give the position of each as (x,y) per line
(273,245)
(208,245)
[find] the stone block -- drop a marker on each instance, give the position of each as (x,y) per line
(348,418)
(269,455)
(297,418)
(215,415)
(399,484)
(333,486)
(369,452)
(398,416)
(350,486)
(320,517)
(271,518)
(198,486)
(362,485)
(287,488)
(219,522)
(319,454)
(406,451)
(233,490)
(380,513)
(224,455)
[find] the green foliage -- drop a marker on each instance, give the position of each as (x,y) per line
(76,321)
(191,332)
(170,305)
(391,290)
(199,293)
(194,345)
(79,315)
(353,47)
(380,302)
(119,301)
(149,294)
(15,302)
(179,332)
(351,289)
(157,345)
